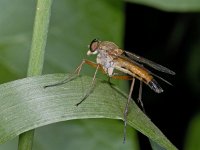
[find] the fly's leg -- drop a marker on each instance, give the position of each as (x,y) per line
(75,74)
(130,93)
(126,108)
(125,77)
(72,76)
(121,77)
(91,87)
(140,97)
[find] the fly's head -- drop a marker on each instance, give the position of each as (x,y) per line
(103,47)
(93,47)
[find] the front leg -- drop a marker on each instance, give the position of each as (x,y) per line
(89,91)
(77,72)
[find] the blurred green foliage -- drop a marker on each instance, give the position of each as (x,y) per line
(171,5)
(193,134)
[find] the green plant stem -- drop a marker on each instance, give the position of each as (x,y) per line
(26,140)
(43,11)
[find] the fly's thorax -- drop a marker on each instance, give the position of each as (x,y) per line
(106,61)
(107,45)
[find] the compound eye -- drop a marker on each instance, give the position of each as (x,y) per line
(94,45)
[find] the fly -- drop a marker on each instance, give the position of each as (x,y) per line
(110,58)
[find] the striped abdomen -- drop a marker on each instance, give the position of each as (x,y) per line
(138,72)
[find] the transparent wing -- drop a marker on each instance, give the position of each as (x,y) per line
(139,61)
(148,62)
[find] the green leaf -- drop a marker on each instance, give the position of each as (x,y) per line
(171,5)
(89,134)
(25,104)
(62,135)
(193,134)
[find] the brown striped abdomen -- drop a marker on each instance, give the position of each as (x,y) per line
(138,72)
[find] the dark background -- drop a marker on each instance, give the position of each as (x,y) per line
(167,39)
